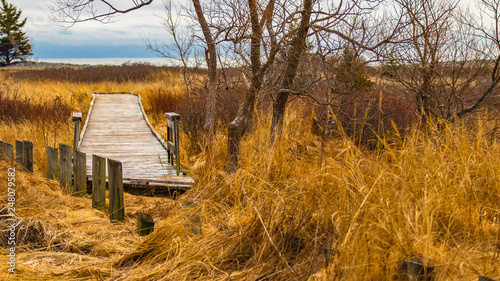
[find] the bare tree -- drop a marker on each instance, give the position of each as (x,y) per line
(211,58)
(444,62)
(336,27)
(298,47)
(182,48)
(260,18)
(488,30)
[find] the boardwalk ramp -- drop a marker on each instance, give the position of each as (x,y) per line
(117,128)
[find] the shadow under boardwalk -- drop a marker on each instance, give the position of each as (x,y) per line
(117,128)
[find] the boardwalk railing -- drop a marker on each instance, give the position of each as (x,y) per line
(173,140)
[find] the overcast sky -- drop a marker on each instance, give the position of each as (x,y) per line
(121,38)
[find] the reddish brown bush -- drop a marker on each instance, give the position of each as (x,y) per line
(193,110)
(14,108)
(370,117)
(163,101)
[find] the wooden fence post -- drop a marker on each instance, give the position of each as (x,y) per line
(329,255)
(9,151)
(484,278)
(6,151)
(414,269)
(52,158)
(98,182)
(115,179)
(80,173)
(193,223)
(65,167)
(19,153)
(28,155)
(173,139)
(3,154)
(145,224)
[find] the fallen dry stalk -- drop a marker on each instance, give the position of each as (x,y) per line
(245,194)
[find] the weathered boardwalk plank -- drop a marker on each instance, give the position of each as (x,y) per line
(117,128)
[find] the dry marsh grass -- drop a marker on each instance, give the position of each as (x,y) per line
(433,196)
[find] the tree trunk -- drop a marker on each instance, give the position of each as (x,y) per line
(298,47)
(238,127)
(211,58)
(245,113)
(212,93)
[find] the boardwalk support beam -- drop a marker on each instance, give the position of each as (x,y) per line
(173,139)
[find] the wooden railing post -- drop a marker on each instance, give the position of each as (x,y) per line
(65,167)
(77,118)
(80,173)
(98,182)
(52,158)
(115,179)
(173,139)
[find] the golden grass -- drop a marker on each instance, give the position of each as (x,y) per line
(433,197)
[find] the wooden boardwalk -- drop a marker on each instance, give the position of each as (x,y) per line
(117,128)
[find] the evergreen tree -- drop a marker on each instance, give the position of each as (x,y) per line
(351,73)
(14,43)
